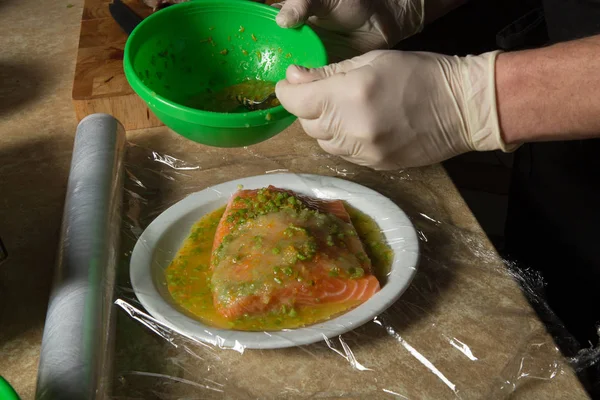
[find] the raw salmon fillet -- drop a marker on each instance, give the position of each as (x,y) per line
(275,248)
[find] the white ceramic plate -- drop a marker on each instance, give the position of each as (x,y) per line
(159,243)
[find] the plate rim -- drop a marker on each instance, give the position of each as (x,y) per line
(142,257)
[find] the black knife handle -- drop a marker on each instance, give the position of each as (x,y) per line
(125,17)
(3,252)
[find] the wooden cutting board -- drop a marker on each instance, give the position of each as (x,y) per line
(99,84)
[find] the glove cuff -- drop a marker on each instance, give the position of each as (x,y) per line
(479,86)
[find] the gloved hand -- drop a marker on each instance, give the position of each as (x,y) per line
(352,27)
(392,109)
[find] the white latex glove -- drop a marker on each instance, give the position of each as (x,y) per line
(352,27)
(392,109)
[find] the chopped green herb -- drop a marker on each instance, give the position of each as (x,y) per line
(293,228)
(288,271)
(278,280)
(330,241)
(356,272)
(275,250)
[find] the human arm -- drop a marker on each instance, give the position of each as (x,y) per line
(392,109)
(552,93)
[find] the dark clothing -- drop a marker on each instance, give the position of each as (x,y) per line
(553,218)
(571,19)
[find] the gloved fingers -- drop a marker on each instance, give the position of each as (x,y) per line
(305,93)
(279,5)
(314,128)
(293,13)
(330,147)
(354,160)
(298,75)
(354,152)
(307,100)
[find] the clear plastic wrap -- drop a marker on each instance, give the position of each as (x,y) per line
(463,328)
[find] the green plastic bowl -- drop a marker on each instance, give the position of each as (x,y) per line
(189,48)
(6,391)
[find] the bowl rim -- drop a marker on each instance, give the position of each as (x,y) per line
(210,118)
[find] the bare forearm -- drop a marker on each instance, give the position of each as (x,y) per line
(551,93)
(435,9)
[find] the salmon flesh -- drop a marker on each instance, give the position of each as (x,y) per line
(276,248)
